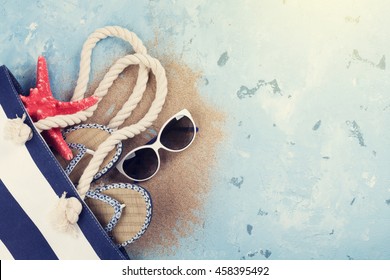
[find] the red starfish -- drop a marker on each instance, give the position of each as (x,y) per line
(41,104)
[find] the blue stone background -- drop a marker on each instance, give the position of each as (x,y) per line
(304,170)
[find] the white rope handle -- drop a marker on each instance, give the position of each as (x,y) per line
(134,99)
(145,63)
(89,45)
(105,84)
(132,130)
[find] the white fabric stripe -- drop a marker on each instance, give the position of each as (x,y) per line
(32,191)
(5,254)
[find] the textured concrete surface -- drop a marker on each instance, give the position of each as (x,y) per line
(304,171)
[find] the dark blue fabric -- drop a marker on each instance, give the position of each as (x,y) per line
(19,234)
(53,172)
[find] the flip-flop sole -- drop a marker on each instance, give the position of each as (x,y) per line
(90,136)
(136,215)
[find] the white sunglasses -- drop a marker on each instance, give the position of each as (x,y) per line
(176,135)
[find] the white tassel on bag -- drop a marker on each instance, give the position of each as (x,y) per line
(66,214)
(17,131)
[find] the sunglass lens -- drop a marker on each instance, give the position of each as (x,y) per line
(178,133)
(141,164)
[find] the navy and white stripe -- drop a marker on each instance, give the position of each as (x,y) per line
(31,181)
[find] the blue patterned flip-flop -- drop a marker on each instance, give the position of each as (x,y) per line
(124,210)
(84,139)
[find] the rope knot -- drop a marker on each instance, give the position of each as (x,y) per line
(67,214)
(17,131)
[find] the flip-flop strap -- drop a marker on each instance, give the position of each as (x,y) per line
(113,203)
(82,150)
(148,204)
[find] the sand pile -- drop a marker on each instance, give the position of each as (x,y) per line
(181,186)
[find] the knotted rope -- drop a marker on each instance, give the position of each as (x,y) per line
(17,131)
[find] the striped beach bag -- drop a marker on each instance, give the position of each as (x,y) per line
(31,180)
